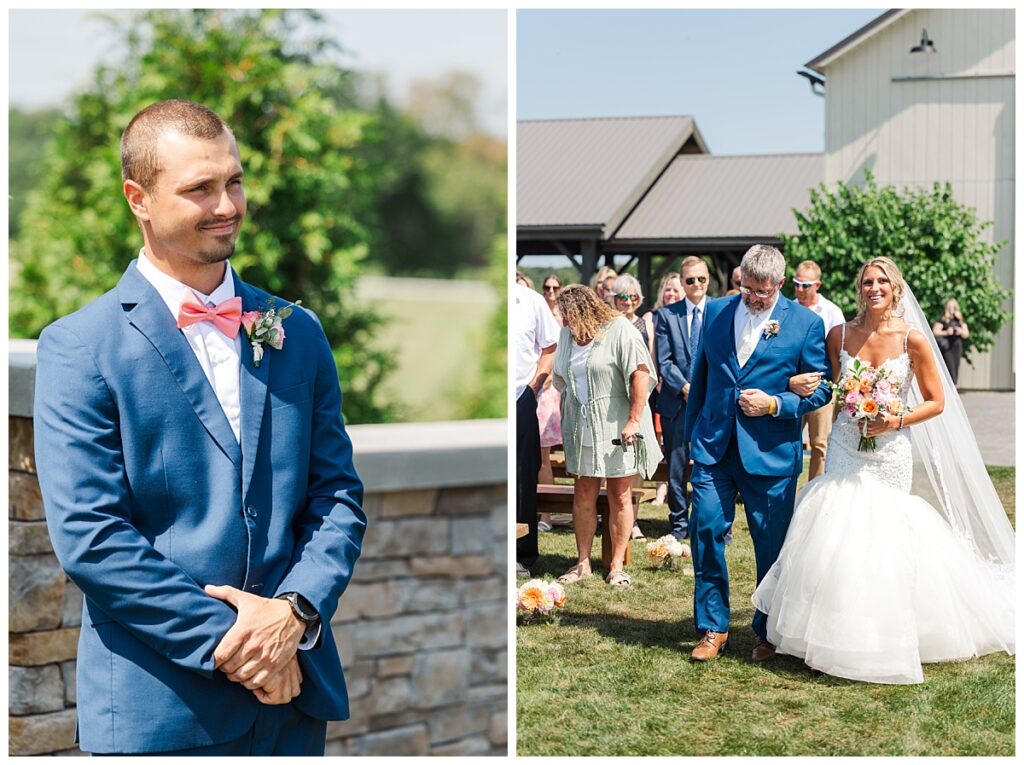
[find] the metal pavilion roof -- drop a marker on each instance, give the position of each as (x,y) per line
(704,197)
(589,173)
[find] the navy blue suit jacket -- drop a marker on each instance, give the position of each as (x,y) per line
(149,497)
(768,445)
(672,346)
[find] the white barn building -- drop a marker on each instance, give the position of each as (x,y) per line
(945,113)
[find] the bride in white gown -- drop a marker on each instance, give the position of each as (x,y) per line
(873,579)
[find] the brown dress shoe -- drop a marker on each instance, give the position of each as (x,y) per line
(763,650)
(712,644)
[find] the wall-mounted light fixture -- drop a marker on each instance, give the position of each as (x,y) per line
(925,46)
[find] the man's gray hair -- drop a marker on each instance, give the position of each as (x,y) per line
(761,263)
(627,284)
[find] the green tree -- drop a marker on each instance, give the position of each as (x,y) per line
(313,159)
(936,241)
(488,399)
(29,134)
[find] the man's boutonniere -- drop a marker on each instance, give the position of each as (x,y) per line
(265,327)
(771,329)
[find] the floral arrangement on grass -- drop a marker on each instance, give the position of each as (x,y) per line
(666,550)
(865,392)
(537,599)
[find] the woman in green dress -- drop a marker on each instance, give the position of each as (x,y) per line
(605,374)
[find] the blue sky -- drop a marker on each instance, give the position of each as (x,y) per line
(52,52)
(734,71)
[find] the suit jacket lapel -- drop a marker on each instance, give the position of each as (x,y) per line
(253,388)
(729,315)
(147,312)
(683,331)
(779,314)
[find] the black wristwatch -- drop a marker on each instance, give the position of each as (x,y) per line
(301,607)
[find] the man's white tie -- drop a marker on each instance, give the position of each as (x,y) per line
(748,342)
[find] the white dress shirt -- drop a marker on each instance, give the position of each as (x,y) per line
(218,355)
(535,328)
(760,321)
(689,313)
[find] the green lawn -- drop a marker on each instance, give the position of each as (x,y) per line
(613,677)
(435,330)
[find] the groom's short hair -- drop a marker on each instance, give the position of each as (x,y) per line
(139,160)
(762,262)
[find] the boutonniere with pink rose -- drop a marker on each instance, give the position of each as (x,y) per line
(266,328)
(771,329)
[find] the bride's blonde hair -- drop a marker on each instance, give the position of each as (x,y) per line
(893,274)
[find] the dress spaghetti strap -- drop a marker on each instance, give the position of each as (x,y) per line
(842,338)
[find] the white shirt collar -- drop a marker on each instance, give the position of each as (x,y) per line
(690,306)
(172,291)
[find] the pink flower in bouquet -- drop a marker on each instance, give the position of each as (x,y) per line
(854,397)
(557,593)
(883,386)
(534,596)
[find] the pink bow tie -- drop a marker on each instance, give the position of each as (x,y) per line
(226,316)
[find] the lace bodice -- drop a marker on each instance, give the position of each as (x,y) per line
(892,461)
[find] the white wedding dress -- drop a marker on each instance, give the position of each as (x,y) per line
(871,580)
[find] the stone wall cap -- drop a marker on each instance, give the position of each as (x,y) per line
(389,456)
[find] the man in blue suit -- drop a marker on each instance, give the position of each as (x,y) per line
(677,331)
(198,480)
(743,425)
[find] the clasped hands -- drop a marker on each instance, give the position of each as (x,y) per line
(259,651)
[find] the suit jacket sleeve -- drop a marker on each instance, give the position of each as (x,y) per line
(86,495)
(813,358)
(670,368)
(330,528)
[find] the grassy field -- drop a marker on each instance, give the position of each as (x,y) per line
(613,677)
(435,328)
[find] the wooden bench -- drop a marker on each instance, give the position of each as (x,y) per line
(556,499)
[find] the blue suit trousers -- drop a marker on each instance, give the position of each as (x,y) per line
(768,501)
(677,455)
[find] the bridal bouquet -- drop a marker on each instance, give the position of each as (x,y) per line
(866,392)
(665,550)
(537,599)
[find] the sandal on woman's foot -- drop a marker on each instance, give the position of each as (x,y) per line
(574,575)
(619,578)
(637,535)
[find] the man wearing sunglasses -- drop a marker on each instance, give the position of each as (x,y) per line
(677,331)
(743,425)
(806,283)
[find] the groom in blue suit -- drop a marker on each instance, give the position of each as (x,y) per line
(743,426)
(198,484)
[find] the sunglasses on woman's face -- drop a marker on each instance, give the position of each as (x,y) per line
(691,279)
(550,287)
(624,296)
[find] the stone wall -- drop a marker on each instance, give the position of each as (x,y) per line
(421,629)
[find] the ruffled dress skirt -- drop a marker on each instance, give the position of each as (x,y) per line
(872,582)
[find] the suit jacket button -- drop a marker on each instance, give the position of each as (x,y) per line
(250,511)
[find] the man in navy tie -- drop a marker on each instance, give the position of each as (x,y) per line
(197,477)
(677,334)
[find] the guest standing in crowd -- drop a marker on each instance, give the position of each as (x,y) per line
(536,333)
(950,332)
(605,374)
(679,331)
(549,404)
(602,283)
(669,291)
(807,283)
